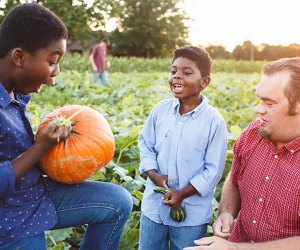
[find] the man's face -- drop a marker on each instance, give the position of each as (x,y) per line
(275,123)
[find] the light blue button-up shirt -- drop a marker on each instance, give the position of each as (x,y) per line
(190,149)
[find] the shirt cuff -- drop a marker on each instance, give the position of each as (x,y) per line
(201,185)
(147,165)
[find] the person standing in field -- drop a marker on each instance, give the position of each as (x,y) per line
(99,61)
(32,42)
(260,202)
(183,147)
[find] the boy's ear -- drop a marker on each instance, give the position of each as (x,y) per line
(205,81)
(18,57)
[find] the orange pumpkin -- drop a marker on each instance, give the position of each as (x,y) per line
(89,147)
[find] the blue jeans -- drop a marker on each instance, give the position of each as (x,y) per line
(161,237)
(103,76)
(105,207)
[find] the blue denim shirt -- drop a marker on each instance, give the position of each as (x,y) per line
(24,208)
(190,149)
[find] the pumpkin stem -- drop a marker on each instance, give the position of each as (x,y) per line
(63,121)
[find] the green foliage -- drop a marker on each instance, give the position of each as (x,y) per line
(218,52)
(149,28)
(134,64)
(55,239)
(8,5)
(130,235)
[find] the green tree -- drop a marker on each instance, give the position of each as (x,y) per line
(80,19)
(8,5)
(148,28)
(247,51)
(217,52)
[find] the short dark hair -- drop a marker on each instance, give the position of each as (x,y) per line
(106,40)
(196,54)
(292,90)
(31,27)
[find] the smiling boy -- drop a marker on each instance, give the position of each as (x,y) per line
(183,148)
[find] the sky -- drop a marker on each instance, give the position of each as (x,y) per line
(231,22)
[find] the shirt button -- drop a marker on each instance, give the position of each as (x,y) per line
(179,123)
(267,178)
(276,156)
(254,221)
(260,199)
(252,241)
(292,151)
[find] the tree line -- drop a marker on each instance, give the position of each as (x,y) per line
(143,28)
(250,51)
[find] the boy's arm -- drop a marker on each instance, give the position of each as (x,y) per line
(12,171)
(174,198)
(50,136)
(214,161)
(158,179)
(146,144)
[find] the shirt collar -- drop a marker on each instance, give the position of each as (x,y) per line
(5,98)
(196,111)
(294,145)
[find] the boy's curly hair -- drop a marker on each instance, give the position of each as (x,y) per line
(196,54)
(31,27)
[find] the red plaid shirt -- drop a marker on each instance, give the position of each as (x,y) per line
(269,183)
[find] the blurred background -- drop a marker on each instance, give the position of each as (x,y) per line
(228,29)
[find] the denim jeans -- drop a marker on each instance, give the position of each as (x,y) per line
(103,76)
(162,237)
(105,207)
(37,242)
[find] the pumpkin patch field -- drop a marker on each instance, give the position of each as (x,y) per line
(124,105)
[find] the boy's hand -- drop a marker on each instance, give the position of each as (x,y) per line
(52,134)
(173,198)
(158,179)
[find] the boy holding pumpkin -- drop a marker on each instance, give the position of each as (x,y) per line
(183,148)
(32,41)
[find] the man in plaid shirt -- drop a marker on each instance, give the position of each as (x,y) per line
(260,203)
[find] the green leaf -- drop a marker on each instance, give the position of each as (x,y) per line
(98,176)
(235,130)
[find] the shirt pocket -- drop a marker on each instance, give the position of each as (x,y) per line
(289,196)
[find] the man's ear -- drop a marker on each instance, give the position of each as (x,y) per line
(205,81)
(18,56)
(297,108)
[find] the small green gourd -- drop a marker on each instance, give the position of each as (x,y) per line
(161,190)
(177,214)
